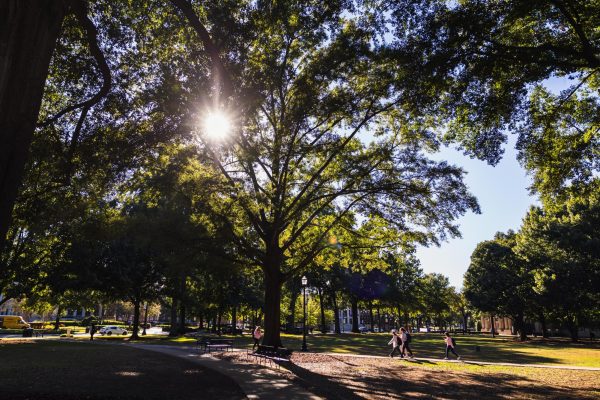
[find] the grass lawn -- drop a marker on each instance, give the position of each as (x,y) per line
(499,349)
(66,370)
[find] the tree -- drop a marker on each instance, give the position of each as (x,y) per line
(489,62)
(295,166)
(436,296)
(562,243)
(500,282)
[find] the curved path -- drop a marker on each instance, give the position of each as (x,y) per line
(256,381)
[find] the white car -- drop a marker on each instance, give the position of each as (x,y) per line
(109,330)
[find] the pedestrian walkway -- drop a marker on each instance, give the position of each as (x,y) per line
(256,381)
(473,362)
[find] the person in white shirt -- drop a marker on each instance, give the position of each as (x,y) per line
(395,342)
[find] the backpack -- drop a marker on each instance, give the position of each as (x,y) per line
(453,342)
(408,337)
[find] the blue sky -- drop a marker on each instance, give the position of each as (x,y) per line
(502,194)
(504,199)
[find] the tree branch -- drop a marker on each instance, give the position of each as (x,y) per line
(80,10)
(221,76)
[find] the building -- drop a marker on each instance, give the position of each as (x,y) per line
(504,326)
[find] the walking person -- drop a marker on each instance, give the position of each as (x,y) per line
(450,345)
(395,342)
(92,331)
(406,338)
(256,335)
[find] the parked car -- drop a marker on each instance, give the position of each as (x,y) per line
(363,329)
(109,330)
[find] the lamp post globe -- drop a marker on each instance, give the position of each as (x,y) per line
(304,284)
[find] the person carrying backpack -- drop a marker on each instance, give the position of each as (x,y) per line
(395,342)
(406,338)
(450,345)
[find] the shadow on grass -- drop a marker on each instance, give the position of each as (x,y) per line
(55,370)
(395,383)
(475,348)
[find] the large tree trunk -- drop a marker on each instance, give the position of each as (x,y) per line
(57,321)
(291,319)
(219,318)
(493,328)
(136,319)
(519,324)
(321,303)
(573,329)
(273,282)
(371,316)
(336,313)
(354,305)
(181,318)
(214,323)
(544,328)
(234,320)
(378,318)
(28,33)
(173,322)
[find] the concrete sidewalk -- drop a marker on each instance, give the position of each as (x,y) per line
(472,362)
(256,381)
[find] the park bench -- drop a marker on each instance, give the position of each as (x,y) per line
(271,354)
(208,344)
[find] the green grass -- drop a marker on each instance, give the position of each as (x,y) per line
(499,349)
(67,370)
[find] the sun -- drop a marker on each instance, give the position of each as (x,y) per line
(216,125)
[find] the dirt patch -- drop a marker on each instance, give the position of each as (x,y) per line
(350,378)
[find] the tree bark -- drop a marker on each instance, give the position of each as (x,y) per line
(136,319)
(273,282)
(173,328)
(544,328)
(292,314)
(573,329)
(28,33)
(492,328)
(214,324)
(354,305)
(234,320)
(181,318)
(321,303)
(57,321)
(519,324)
(336,314)
(371,316)
(219,318)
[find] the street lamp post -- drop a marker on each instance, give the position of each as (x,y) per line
(304,283)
